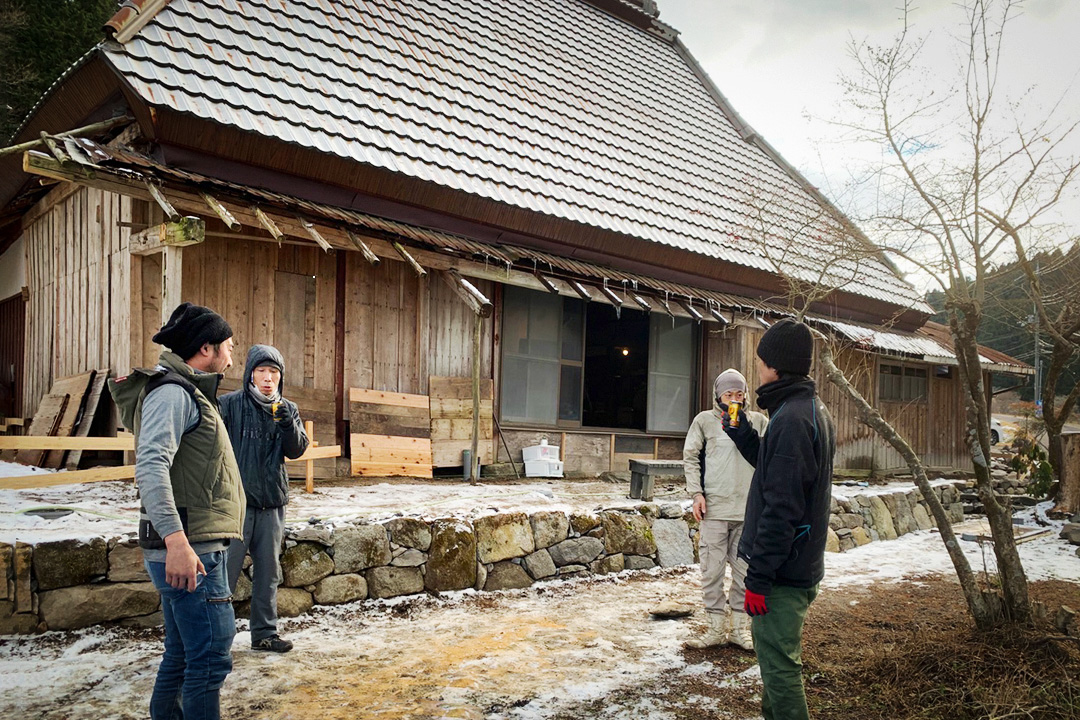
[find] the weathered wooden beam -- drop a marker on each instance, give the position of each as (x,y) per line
(166,207)
(409,259)
(270,226)
(468,292)
(691,310)
(188,230)
(642,302)
(56,152)
(719,316)
(222,212)
(313,232)
(85,130)
(580,290)
(546,282)
(610,294)
(363,248)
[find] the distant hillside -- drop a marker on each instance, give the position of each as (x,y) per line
(1006,325)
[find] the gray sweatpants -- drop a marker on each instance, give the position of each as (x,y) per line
(718,548)
(263,533)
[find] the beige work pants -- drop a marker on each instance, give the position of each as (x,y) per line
(718,549)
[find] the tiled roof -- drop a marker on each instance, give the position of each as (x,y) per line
(554,106)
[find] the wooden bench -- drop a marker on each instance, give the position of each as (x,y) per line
(644,472)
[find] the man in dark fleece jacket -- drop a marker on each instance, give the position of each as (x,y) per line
(265,429)
(787,513)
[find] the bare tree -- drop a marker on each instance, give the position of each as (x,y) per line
(1058,315)
(951,160)
(839,253)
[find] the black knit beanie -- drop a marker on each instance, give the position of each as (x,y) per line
(787,347)
(190,327)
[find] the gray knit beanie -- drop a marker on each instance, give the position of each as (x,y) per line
(730,379)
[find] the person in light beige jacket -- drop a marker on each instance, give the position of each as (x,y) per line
(719,488)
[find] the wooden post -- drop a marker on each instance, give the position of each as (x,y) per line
(309,466)
(474,473)
(172,274)
(611,455)
(562,448)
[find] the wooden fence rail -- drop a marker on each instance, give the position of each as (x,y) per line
(123,472)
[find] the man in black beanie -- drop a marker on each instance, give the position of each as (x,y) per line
(192,506)
(787,513)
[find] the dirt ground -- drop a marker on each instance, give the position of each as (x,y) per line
(585,649)
(888,652)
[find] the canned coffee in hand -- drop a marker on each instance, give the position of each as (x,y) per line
(733,413)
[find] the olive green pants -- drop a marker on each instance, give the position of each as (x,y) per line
(778,644)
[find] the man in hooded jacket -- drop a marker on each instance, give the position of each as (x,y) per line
(265,429)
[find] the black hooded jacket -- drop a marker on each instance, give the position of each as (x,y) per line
(787,512)
(260,444)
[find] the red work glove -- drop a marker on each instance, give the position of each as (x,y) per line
(755,604)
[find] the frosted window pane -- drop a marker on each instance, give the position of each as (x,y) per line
(671,368)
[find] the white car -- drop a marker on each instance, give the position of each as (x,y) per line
(996,431)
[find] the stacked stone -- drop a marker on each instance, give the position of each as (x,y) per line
(865,518)
(1006,481)
(68,584)
(71,584)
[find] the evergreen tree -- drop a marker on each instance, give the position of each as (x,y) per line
(39,40)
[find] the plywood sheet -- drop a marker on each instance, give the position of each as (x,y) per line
(375,412)
(451,418)
(93,398)
(45,422)
(76,389)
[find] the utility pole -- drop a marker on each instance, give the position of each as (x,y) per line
(1038,355)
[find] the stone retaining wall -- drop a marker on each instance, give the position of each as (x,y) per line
(69,584)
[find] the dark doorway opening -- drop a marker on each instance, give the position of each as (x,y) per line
(616,367)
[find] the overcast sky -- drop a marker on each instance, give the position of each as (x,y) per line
(778,61)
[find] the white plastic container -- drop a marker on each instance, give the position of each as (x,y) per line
(543,451)
(543,468)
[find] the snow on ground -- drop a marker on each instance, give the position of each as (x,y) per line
(515,655)
(110,509)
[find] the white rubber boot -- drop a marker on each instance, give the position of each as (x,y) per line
(740,634)
(717,633)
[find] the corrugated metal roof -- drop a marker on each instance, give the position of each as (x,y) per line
(550,105)
(931,343)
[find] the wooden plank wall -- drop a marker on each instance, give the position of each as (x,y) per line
(451,419)
(281,296)
(451,337)
(386,327)
(12,352)
(857,446)
(77,276)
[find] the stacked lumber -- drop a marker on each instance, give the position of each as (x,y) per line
(67,410)
(391,434)
(451,418)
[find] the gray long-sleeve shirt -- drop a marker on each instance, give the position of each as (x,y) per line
(167,413)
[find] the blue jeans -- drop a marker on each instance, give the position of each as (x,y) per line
(199,631)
